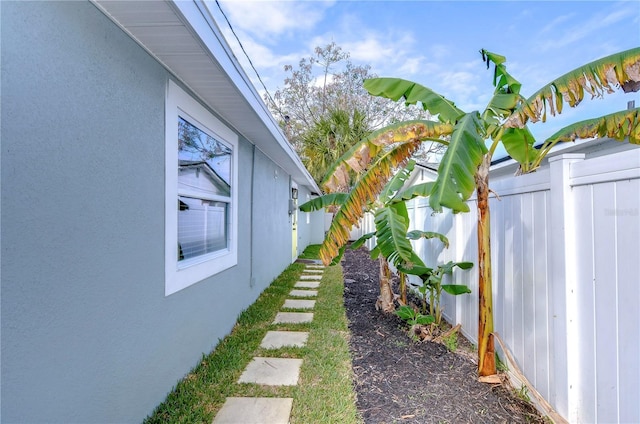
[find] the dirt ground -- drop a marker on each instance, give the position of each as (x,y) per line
(399,380)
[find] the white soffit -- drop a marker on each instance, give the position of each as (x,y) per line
(183,37)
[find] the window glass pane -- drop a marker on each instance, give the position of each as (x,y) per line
(204,172)
(202,227)
(196,147)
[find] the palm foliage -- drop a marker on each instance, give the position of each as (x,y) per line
(329,138)
(360,156)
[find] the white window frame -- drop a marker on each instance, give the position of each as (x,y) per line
(180,274)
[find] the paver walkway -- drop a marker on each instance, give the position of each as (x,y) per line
(311,277)
(298,304)
(255,410)
(275,371)
(303,293)
(293,317)
(307,284)
(278,339)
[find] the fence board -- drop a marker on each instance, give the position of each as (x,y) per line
(541,294)
(627,214)
(528,285)
(585,299)
(605,292)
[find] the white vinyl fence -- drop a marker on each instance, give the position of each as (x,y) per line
(565,246)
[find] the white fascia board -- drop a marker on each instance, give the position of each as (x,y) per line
(202,23)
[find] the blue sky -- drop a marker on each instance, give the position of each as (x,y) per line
(437,43)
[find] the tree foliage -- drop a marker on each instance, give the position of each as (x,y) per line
(321,96)
(329,138)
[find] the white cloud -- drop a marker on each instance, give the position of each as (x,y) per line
(412,66)
(369,50)
(391,53)
(272,18)
(264,57)
(461,87)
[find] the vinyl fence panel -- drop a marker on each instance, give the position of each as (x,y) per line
(566,279)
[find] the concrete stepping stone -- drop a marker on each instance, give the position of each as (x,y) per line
(313,271)
(311,277)
(254,411)
(303,293)
(278,339)
(293,317)
(298,304)
(272,371)
(315,267)
(307,284)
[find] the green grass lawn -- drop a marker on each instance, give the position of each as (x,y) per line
(324,393)
(311,252)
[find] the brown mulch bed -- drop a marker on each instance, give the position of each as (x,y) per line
(399,380)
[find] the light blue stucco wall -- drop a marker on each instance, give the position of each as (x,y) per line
(311,224)
(271,245)
(87,333)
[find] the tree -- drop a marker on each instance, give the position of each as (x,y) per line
(471,139)
(324,85)
(323,143)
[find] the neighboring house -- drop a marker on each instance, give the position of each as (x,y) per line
(147,199)
(422,173)
(201,222)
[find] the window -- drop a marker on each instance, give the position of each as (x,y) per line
(201,200)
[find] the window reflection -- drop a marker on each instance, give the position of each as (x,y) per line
(204,192)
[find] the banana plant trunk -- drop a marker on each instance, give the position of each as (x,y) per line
(385,299)
(403,288)
(486,348)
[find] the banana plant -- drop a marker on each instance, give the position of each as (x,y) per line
(392,221)
(386,251)
(471,139)
(432,287)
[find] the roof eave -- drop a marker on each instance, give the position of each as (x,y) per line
(219,80)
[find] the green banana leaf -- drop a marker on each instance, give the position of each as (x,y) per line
(618,125)
(362,240)
(418,190)
(413,93)
(449,266)
(504,82)
(415,267)
(332,199)
(391,229)
(519,144)
(605,75)
(417,234)
(455,182)
(456,289)
(396,182)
